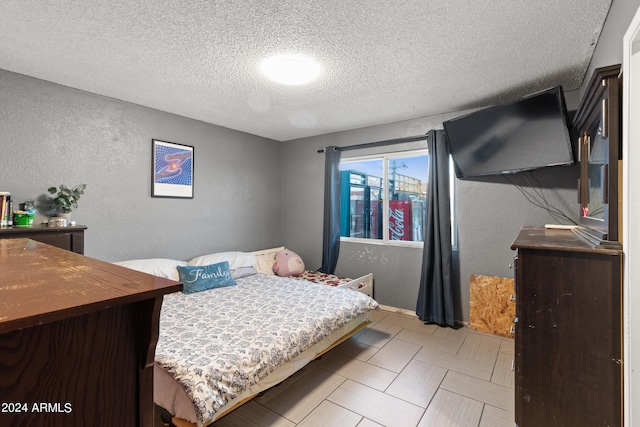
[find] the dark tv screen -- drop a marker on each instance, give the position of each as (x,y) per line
(527,134)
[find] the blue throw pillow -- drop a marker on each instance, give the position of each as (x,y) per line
(201,278)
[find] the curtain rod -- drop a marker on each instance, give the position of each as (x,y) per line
(381,143)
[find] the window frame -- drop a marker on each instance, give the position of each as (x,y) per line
(385,157)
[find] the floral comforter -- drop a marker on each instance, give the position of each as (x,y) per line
(217,343)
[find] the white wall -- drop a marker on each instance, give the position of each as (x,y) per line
(630,232)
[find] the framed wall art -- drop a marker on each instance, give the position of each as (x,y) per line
(172,170)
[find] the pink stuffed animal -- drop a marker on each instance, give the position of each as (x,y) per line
(288,263)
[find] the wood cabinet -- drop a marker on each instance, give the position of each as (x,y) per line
(77,338)
(70,238)
(568,331)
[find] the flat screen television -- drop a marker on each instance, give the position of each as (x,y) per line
(527,134)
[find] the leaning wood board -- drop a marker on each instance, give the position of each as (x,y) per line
(492,307)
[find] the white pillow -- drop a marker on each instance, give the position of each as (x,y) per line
(241,272)
(235,259)
(157,266)
(265,260)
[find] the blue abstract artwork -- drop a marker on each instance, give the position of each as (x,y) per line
(173,170)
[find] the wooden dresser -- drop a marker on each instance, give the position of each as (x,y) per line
(77,338)
(568,331)
(70,238)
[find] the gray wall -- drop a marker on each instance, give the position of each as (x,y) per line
(490,212)
(51,135)
(396,269)
(609,48)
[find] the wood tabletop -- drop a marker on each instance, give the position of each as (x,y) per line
(555,239)
(40,283)
(18,230)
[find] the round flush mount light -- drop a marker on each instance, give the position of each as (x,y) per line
(291,70)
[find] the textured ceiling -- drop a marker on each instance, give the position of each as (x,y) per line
(383,61)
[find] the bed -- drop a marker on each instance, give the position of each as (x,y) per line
(220,347)
(363,284)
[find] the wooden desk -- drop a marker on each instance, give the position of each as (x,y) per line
(77,338)
(70,238)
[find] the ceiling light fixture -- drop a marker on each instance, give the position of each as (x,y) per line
(291,70)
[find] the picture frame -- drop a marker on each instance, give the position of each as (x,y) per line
(171,169)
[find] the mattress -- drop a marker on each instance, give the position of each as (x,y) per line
(221,346)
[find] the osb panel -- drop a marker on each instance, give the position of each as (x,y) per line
(490,308)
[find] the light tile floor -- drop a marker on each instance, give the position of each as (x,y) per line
(396,372)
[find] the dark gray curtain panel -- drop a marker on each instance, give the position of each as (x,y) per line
(331,225)
(435,297)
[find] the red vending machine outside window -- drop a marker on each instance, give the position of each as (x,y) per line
(400,220)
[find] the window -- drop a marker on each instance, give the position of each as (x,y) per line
(383,198)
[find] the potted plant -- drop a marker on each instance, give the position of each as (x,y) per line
(66,199)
